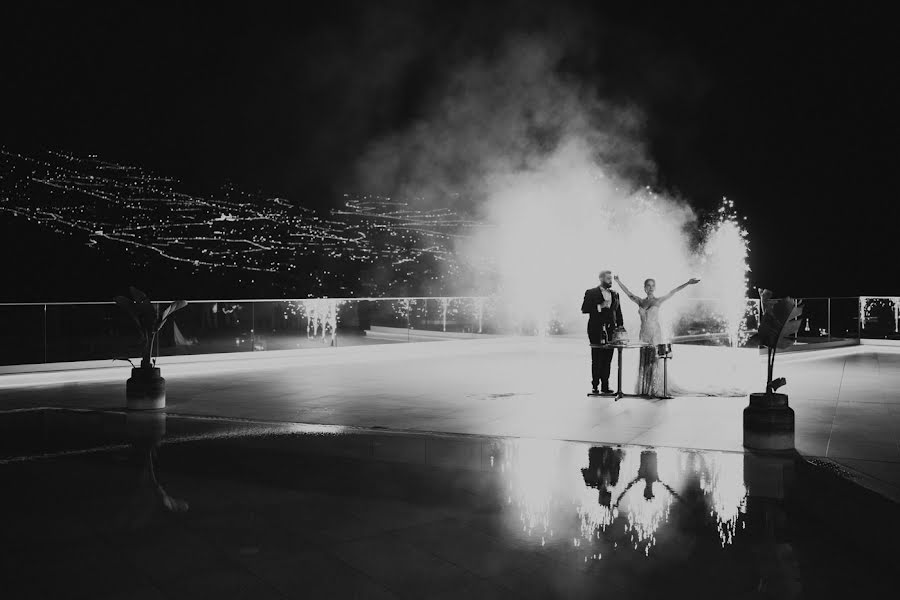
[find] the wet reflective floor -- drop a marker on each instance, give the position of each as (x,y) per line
(115,505)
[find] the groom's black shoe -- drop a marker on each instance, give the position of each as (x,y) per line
(594,391)
(606,390)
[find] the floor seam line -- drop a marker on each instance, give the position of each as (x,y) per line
(837,402)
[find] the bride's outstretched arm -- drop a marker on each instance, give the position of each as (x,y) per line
(679,288)
(628,293)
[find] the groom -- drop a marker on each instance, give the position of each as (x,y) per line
(602,305)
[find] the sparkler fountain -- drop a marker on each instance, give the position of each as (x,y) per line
(724,261)
(555,226)
(321,319)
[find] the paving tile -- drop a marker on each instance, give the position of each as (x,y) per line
(405,449)
(248,532)
(870,431)
(529,390)
(811,445)
(811,412)
(454,453)
(853,448)
(137,593)
(315,575)
(167,557)
(402,568)
(656,438)
(611,434)
(888,472)
(231,584)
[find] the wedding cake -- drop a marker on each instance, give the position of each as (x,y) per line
(619,336)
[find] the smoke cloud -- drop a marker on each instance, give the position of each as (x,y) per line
(558,174)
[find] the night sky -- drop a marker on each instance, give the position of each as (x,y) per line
(789,111)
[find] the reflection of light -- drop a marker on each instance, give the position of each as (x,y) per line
(245,429)
(645,515)
(722,483)
(530,468)
(545,490)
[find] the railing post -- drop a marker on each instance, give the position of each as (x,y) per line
(829,318)
(895,302)
(860,321)
(45,333)
(480,314)
(409,305)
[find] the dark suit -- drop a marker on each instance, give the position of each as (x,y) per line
(600,321)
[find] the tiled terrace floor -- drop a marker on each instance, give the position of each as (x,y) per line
(846,400)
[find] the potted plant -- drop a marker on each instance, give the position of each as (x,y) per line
(146,389)
(768,420)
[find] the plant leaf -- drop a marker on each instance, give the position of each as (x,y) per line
(147,314)
(777,383)
(130,309)
(138,295)
(125,303)
(769,329)
(146,310)
(177,305)
(780,323)
(788,334)
(782,308)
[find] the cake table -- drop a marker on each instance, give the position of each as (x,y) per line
(619,347)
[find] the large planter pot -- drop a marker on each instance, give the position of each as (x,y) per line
(145,389)
(769,423)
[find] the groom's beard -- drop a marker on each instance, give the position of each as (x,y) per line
(606,286)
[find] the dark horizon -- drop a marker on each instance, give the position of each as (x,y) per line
(788,113)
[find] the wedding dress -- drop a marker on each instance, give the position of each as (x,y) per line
(650,374)
(721,374)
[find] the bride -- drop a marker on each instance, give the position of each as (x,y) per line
(650,373)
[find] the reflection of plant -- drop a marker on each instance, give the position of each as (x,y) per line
(148,320)
(150,495)
(778,328)
(171,504)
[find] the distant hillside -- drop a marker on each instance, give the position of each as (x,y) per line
(82,228)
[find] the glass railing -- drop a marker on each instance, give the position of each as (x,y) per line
(829,320)
(879,317)
(79,331)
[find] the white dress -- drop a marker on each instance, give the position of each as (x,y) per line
(650,368)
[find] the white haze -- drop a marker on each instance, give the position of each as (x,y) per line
(558,175)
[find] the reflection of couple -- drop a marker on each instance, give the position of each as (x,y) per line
(604,311)
(602,472)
